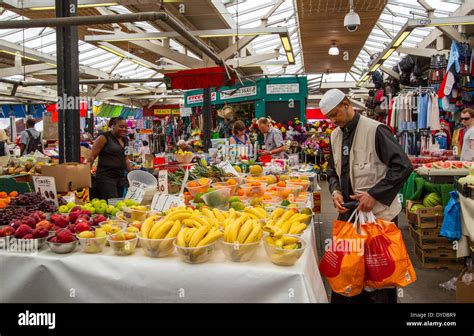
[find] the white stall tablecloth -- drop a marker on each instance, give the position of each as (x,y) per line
(105,278)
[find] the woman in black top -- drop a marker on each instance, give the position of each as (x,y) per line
(112,149)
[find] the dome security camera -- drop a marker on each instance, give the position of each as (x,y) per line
(352,21)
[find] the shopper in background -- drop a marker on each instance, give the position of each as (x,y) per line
(112,149)
(144,150)
(273,139)
(239,137)
(30,140)
(467,118)
(365,164)
(184,146)
(3,144)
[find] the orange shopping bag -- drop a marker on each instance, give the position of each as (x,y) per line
(387,263)
(343,263)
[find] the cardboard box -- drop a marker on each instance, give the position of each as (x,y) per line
(464,293)
(438,262)
(428,240)
(69,176)
(21,183)
(428,218)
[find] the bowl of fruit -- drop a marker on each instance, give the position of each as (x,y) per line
(92,241)
(134,213)
(284,251)
(286,191)
(198,186)
(63,242)
(25,234)
(254,189)
(183,157)
(195,246)
(230,184)
(123,243)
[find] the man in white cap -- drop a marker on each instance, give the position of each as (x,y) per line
(366,164)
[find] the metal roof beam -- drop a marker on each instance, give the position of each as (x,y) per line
(403,4)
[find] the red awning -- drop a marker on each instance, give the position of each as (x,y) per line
(314,113)
(53,108)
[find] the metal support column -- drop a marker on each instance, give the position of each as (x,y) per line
(207,118)
(68,84)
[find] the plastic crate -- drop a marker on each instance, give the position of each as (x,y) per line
(18,183)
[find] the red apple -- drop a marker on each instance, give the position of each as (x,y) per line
(98,219)
(30,221)
(54,217)
(86,213)
(40,214)
(28,236)
(40,233)
(36,217)
(62,221)
(64,236)
(73,216)
(22,231)
(15,224)
(82,226)
(54,239)
(56,228)
(71,227)
(76,209)
(7,231)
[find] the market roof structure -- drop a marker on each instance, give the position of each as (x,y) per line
(257,37)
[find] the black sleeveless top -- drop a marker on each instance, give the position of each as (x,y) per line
(112,157)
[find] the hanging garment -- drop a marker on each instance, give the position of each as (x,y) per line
(422,110)
(434,113)
(454,58)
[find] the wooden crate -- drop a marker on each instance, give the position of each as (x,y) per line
(428,218)
(439,262)
(429,240)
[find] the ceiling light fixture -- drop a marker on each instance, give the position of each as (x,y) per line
(334,50)
(352,19)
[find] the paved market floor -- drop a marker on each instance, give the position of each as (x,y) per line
(426,289)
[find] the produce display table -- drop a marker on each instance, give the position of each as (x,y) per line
(104,277)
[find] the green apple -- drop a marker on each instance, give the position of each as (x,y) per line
(103,202)
(101,209)
(91,209)
(110,209)
(120,205)
(71,205)
(114,211)
(63,209)
(95,200)
(129,202)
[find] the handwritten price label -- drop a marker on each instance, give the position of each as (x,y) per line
(162,202)
(136,191)
(163,181)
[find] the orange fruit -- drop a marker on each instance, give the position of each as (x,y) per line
(241,192)
(231,181)
(193,184)
(203,181)
(281,184)
(13,194)
(255,184)
(285,193)
(3,194)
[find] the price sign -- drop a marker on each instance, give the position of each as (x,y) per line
(163,181)
(293,160)
(46,186)
(162,202)
(227,167)
(136,191)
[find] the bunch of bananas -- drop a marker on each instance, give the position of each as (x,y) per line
(243,230)
(286,222)
(197,237)
(156,227)
(285,242)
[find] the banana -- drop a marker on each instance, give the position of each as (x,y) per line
(201,220)
(188,235)
(174,230)
(263,212)
(207,212)
(270,222)
(245,231)
(279,243)
(254,235)
(298,229)
(234,229)
(232,213)
(289,240)
(285,217)
(290,247)
(270,241)
(198,236)
(147,225)
(178,215)
(277,213)
(210,238)
(163,230)
(180,241)
(220,217)
(188,222)
(286,227)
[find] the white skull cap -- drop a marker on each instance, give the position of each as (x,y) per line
(330,100)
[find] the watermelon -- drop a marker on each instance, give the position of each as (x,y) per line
(456,164)
(431,200)
(416,207)
(427,165)
(442,165)
(467,164)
